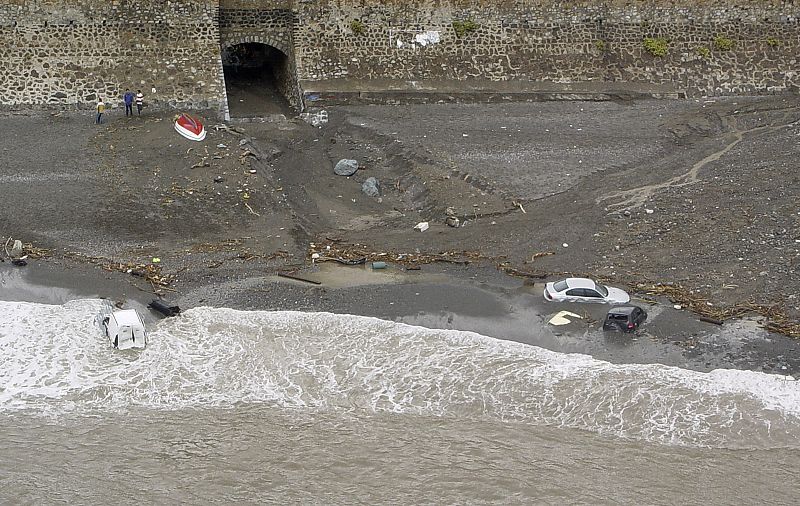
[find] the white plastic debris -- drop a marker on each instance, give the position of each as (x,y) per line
(422,226)
(649,211)
(316,119)
(16,249)
(560,318)
(677,306)
(425,38)
(565,245)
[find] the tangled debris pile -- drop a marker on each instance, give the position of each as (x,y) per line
(513,271)
(776,320)
(354,254)
(33,252)
(237,246)
(19,253)
(151,273)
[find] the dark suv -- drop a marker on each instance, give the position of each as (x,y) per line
(624,318)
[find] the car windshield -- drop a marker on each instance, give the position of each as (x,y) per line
(602,289)
(560,286)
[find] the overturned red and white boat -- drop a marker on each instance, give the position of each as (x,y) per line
(190,127)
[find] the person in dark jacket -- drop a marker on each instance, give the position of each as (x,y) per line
(128,98)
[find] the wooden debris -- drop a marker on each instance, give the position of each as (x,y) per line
(226,128)
(30,251)
(542,254)
(250,209)
(330,250)
(202,163)
(776,320)
(505,267)
(298,278)
(151,273)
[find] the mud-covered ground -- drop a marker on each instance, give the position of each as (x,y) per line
(701,194)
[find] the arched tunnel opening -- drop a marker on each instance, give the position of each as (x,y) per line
(258,80)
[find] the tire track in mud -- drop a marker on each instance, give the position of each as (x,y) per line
(637,197)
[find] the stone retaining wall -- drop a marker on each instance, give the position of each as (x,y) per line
(268,22)
(756,49)
(69,52)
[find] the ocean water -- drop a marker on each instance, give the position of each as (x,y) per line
(230,406)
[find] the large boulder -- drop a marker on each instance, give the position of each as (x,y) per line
(371,187)
(346,167)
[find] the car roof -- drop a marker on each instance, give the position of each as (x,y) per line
(127,317)
(623,309)
(580,283)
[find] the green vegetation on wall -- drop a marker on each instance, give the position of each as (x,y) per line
(656,46)
(358,27)
(463,27)
(722,43)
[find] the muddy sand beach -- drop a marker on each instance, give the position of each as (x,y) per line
(691,206)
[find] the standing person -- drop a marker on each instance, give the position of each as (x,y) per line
(139,102)
(101,108)
(128,98)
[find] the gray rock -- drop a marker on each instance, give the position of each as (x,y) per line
(371,187)
(346,167)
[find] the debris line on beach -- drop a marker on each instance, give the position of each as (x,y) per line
(358,254)
(776,320)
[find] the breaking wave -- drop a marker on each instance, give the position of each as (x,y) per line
(54,360)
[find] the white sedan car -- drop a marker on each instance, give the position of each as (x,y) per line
(584,290)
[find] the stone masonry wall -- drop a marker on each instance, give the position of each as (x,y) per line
(269,22)
(69,52)
(714,47)
(266,21)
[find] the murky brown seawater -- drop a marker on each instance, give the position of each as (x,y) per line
(257,407)
(259,454)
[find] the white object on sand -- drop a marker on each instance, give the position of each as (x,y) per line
(561,318)
(422,226)
(16,249)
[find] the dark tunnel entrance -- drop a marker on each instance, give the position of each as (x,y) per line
(258,80)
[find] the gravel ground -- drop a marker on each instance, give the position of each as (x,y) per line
(699,193)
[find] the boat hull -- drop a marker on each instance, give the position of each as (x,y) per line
(190,128)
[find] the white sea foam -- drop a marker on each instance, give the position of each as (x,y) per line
(55,360)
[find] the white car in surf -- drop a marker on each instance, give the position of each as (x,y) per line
(125,329)
(584,290)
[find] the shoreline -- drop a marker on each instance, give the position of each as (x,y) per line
(464,298)
(654,192)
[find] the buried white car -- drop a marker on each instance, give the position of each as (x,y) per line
(125,329)
(584,290)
